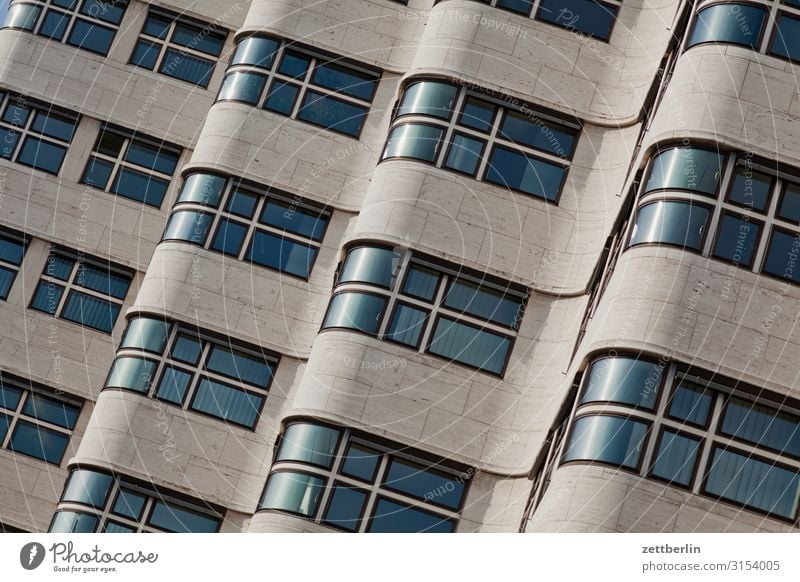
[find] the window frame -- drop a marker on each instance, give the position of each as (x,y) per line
(701,443)
(24,241)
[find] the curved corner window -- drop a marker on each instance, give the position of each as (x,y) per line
(413,140)
(131,373)
(73,522)
(203,189)
(88,487)
(146,333)
(786,39)
(22,16)
(255,51)
(623,380)
(293,492)
(670,222)
(374,265)
(309,443)
(358,311)
(608,439)
(729,23)
(245,87)
(683,168)
(432,98)
(189,226)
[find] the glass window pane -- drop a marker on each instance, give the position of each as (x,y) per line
(281,97)
(132,373)
(623,380)
(294,64)
(129,504)
(152,157)
(5,421)
(9,395)
(46,297)
(59,266)
(145,54)
(238,365)
(54,24)
(358,311)
(732,23)
(533,131)
(470,345)
(73,522)
(685,169)
(110,142)
(239,86)
(610,439)
(54,125)
(41,155)
(90,311)
(114,527)
(309,443)
(229,237)
(482,302)
(173,385)
(411,140)
(228,403)
(670,222)
(419,482)
(360,462)
(37,441)
(186,349)
(421,282)
(294,219)
(156,26)
(189,226)
(331,113)
(345,507)
(751,189)
(589,17)
(204,40)
(786,42)
(391,517)
(51,410)
(691,403)
(369,265)
(520,6)
(737,239)
(675,458)
(97,173)
(515,170)
(789,208)
(174,518)
(103,280)
(256,51)
(283,254)
(90,36)
(294,492)
(242,203)
(202,189)
(11,250)
(344,80)
(7,277)
(782,255)
(103,10)
(186,67)
(464,154)
(762,426)
(8,142)
(22,16)
(428,98)
(753,483)
(477,114)
(16,113)
(407,325)
(140,186)
(88,487)
(146,333)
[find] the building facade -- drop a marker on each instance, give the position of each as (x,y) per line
(464,266)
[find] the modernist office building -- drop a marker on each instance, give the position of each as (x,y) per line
(366,265)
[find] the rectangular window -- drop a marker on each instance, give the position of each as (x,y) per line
(131,166)
(12,251)
(786,38)
(87,24)
(34,135)
(178,47)
(81,290)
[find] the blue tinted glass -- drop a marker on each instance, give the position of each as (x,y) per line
(173,518)
(421,282)
(407,325)
(281,97)
(294,64)
(751,189)
(22,16)
(88,487)
(108,10)
(91,37)
(114,527)
(46,297)
(520,6)
(73,522)
(331,113)
(242,204)
(199,39)
(279,253)
(54,125)
(103,280)
(8,142)
(420,142)
(357,311)
(145,54)
(173,385)
(90,311)
(245,87)
(369,265)
(477,114)
(790,203)
(259,52)
(139,186)
(11,250)
(344,80)
(16,114)
(520,172)
(41,155)
(229,237)
(432,98)
(294,219)
(129,504)
(156,26)
(753,483)
(670,222)
(36,441)
(227,403)
(54,24)
(623,380)
(421,483)
(110,142)
(533,131)
(203,189)
(189,226)
(470,345)
(9,396)
(686,169)
(152,157)
(294,492)
(786,42)
(360,462)
(610,439)
(763,426)
(7,277)
(132,373)
(186,67)
(309,443)
(98,173)
(675,458)
(146,333)
(391,517)
(589,17)
(59,266)
(4,423)
(51,410)
(781,256)
(186,349)
(483,302)
(737,239)
(691,403)
(734,23)
(239,365)
(345,507)
(464,154)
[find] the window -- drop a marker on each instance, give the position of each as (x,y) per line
(782,255)
(178,47)
(86,24)
(170,362)
(730,23)
(786,40)
(35,422)
(737,239)
(249,222)
(463,131)
(670,222)
(81,290)
(34,135)
(712,438)
(350,482)
(12,251)
(300,83)
(131,166)
(96,501)
(626,380)
(427,307)
(685,168)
